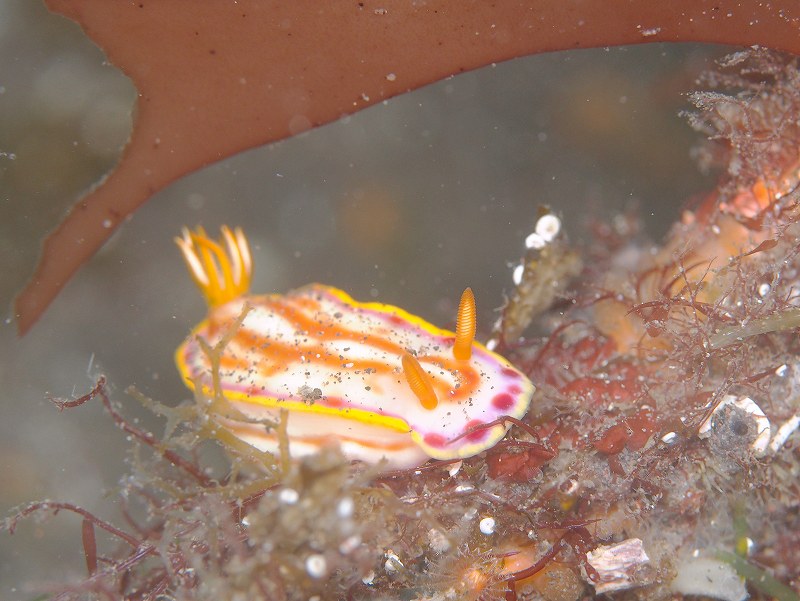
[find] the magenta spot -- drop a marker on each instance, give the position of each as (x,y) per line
(435,440)
(503,401)
(333,401)
(510,373)
(396,320)
(479,433)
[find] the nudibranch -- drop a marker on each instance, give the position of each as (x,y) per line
(381,383)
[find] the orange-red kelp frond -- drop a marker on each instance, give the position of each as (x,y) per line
(419,382)
(465,326)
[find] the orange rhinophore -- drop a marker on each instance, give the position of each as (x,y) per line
(465,326)
(419,382)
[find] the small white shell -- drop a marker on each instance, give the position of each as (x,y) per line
(487,525)
(617,565)
(748,406)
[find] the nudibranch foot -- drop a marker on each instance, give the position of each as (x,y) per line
(309,433)
(381,383)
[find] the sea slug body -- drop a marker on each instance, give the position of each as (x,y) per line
(381,383)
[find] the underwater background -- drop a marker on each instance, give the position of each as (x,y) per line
(406,202)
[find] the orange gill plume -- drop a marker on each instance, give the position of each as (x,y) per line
(220,276)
